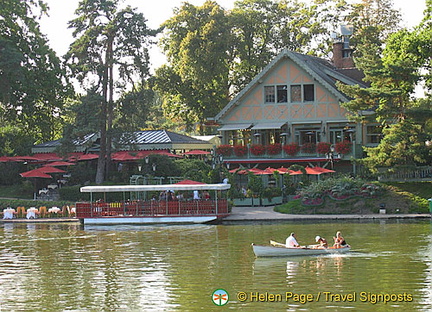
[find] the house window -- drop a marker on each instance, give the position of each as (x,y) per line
(282,94)
(296,93)
(373,134)
(269,94)
(308,93)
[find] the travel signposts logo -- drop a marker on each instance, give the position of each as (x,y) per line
(220,297)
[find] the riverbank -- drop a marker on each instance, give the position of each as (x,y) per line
(245,214)
(239,214)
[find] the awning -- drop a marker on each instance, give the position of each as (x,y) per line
(268,125)
(235,127)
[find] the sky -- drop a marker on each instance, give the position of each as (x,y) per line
(60,37)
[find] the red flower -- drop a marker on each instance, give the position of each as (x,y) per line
(291,149)
(240,150)
(274,149)
(308,148)
(323,147)
(343,147)
(225,150)
(257,149)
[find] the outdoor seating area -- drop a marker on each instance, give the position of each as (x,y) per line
(41,212)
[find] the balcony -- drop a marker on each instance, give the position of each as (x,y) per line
(321,151)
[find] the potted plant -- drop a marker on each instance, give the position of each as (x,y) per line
(292,149)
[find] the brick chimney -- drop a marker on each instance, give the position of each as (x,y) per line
(342,53)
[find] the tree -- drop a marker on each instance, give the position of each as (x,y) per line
(196,41)
(262,28)
(393,76)
(214,53)
(32,81)
(109,54)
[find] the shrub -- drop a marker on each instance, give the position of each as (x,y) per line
(291,149)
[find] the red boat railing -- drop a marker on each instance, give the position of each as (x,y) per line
(148,208)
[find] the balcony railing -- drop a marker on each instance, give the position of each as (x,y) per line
(256,151)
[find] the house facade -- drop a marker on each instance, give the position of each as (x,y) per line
(291,112)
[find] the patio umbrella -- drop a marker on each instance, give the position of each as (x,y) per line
(49,169)
(36,173)
(187,182)
(317,170)
(60,163)
(197,152)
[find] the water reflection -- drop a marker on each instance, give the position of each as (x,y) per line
(176,268)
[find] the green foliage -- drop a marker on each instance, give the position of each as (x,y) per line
(32,88)
(112,44)
(194,169)
(255,185)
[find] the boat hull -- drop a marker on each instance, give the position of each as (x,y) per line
(149,220)
(272,251)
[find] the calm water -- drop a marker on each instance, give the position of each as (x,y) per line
(176,268)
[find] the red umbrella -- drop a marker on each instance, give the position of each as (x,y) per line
(60,163)
(317,170)
(46,157)
(49,169)
(187,182)
(124,156)
(88,157)
(197,152)
(36,173)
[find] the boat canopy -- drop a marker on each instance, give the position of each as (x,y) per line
(156,187)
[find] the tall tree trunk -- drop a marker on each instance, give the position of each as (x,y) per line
(110,106)
(100,171)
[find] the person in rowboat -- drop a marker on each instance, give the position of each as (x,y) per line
(339,241)
(322,242)
(291,241)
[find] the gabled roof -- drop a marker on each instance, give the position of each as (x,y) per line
(320,69)
(142,140)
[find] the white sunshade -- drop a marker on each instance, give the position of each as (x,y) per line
(158,187)
(268,125)
(235,127)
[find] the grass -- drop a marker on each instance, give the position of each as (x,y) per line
(23,191)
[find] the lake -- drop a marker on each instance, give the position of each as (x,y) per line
(67,267)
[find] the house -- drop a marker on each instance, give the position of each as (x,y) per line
(291,112)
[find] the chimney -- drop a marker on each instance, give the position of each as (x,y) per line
(342,53)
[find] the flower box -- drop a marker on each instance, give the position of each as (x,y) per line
(240,150)
(257,149)
(343,147)
(225,150)
(308,148)
(277,200)
(274,149)
(323,148)
(292,149)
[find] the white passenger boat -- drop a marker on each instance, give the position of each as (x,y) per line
(280,250)
(153,211)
